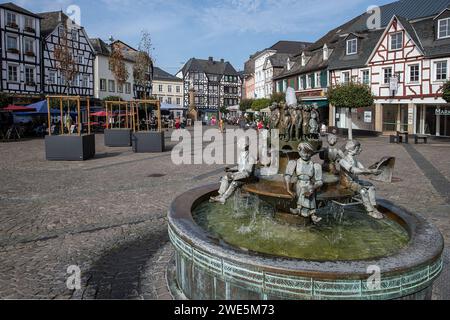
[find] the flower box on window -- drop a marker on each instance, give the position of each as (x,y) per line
(31,84)
(29,29)
(30,54)
(15,51)
(13,25)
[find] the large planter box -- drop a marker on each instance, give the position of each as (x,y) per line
(118,137)
(70,148)
(148,142)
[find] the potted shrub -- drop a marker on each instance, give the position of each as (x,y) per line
(13,25)
(350,96)
(13,50)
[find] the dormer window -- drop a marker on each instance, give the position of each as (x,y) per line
(303,59)
(325,52)
(444,28)
(397,41)
(352,46)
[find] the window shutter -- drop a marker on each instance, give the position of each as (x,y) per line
(323,79)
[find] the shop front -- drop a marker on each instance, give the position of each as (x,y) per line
(433,120)
(363,119)
(323,108)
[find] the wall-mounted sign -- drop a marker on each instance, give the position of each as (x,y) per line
(368,116)
(442,112)
(393,85)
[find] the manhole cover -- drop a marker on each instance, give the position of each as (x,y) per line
(156,175)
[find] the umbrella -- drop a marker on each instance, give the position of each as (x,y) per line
(12,108)
(99,114)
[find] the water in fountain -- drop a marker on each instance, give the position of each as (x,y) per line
(344,234)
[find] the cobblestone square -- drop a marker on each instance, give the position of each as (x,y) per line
(108,215)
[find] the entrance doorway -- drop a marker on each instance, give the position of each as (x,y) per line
(433,120)
(395,118)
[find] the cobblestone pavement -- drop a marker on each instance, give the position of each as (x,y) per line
(108,216)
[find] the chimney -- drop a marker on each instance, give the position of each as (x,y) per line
(326,53)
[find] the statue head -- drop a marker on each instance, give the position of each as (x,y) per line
(315,106)
(274,106)
(353,147)
(306,151)
(332,139)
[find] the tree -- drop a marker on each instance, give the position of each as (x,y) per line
(65,59)
(277,97)
(245,104)
(446,92)
(143,64)
(350,96)
(260,104)
(117,64)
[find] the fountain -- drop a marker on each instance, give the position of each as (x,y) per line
(254,238)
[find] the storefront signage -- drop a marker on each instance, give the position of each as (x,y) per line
(442,112)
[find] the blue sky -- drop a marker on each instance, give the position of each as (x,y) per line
(228,29)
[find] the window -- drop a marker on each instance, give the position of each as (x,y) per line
(346,77)
(387,75)
(120,88)
(11,19)
(309,80)
(317,82)
(11,43)
(12,74)
(444,28)
(110,66)
(352,46)
(179,101)
(161,99)
(29,23)
(112,86)
(29,75)
(397,41)
(178,89)
(441,70)
(128,88)
(366,77)
(52,79)
(414,73)
(29,46)
(169,100)
(74,35)
(102,84)
(85,81)
(79,59)
(169,88)
(160,88)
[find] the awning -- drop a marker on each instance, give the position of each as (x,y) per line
(320,103)
(168,107)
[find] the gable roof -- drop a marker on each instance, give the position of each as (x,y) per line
(366,42)
(289,47)
(160,74)
(13,7)
(209,67)
(279,60)
(51,20)
(100,47)
(409,9)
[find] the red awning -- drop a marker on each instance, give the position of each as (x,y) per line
(12,108)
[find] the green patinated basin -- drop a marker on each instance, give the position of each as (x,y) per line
(223,254)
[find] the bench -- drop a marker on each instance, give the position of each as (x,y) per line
(405,136)
(395,139)
(417,138)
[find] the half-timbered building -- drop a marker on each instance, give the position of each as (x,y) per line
(216,84)
(405,62)
(56,25)
(20,51)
